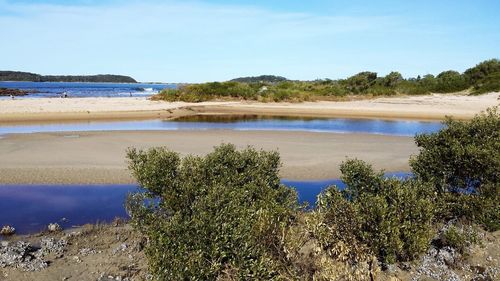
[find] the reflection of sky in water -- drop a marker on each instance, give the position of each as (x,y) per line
(372,126)
(30,208)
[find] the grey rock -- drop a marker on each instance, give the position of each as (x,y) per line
(7,230)
(54,227)
(21,255)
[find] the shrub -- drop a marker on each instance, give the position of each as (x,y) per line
(450,81)
(392,79)
(458,236)
(482,70)
(392,217)
(360,82)
(490,83)
(465,155)
(206,216)
(462,162)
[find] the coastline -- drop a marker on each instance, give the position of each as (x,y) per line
(428,107)
(99,157)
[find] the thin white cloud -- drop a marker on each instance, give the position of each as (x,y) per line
(139,37)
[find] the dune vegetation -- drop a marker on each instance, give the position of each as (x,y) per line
(226,216)
(482,78)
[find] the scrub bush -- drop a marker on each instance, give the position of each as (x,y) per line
(459,237)
(465,155)
(462,162)
(391,217)
(213,216)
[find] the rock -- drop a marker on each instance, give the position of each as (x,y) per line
(87,251)
(51,245)
(77,259)
(122,247)
(7,230)
(13,92)
(23,256)
(53,227)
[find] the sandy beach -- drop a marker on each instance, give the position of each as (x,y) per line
(434,107)
(99,157)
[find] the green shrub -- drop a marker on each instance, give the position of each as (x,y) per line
(462,162)
(205,216)
(491,83)
(464,155)
(450,81)
(392,79)
(392,217)
(482,70)
(360,82)
(458,236)
(484,77)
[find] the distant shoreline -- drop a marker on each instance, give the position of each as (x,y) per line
(21,76)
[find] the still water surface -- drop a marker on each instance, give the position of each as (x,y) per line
(246,122)
(30,208)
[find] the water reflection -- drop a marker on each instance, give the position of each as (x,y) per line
(30,208)
(240,122)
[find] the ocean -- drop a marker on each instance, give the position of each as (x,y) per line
(84,90)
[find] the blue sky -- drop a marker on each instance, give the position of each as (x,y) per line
(195,41)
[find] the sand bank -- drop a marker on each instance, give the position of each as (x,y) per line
(435,106)
(99,157)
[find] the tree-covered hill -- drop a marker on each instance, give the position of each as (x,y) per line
(33,77)
(261,78)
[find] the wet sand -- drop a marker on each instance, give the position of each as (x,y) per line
(99,157)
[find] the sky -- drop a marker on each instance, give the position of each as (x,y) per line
(217,40)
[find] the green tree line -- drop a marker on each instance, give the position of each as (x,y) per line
(482,78)
(32,77)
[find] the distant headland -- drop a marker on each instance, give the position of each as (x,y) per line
(33,77)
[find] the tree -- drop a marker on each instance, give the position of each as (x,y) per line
(361,82)
(482,70)
(392,79)
(450,81)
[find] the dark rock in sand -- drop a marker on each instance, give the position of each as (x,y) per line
(13,92)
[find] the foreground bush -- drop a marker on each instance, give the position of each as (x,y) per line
(208,217)
(462,162)
(391,217)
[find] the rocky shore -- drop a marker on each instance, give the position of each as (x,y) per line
(92,252)
(5,92)
(116,252)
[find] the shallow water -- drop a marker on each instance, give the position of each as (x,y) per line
(30,208)
(83,90)
(247,122)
